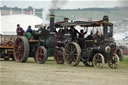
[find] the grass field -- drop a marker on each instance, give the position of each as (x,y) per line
(125,60)
(50,73)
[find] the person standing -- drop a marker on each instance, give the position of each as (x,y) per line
(82,33)
(19,30)
(81,38)
(73,32)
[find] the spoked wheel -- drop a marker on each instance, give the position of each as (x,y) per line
(21,49)
(113,63)
(98,60)
(88,63)
(72,54)
(59,55)
(41,55)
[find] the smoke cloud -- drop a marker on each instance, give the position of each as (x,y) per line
(45,14)
(58,3)
(54,4)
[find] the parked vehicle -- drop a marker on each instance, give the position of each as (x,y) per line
(40,44)
(6,46)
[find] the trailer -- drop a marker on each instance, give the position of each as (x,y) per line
(6,46)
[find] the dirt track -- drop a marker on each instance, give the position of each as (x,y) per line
(30,73)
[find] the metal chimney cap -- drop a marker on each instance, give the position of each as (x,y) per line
(66,19)
(106,18)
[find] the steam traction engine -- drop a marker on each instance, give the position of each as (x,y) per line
(63,37)
(95,50)
(43,44)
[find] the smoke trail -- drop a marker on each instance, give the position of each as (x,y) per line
(45,14)
(54,4)
(58,3)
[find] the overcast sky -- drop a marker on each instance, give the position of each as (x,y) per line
(71,4)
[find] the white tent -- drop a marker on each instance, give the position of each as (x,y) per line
(9,23)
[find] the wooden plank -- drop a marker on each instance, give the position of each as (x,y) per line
(6,47)
(33,40)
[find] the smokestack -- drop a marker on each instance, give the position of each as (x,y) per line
(66,19)
(106,18)
(105,26)
(52,18)
(51,41)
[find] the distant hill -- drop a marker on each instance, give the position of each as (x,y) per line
(91,13)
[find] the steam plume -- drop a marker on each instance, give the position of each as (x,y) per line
(54,4)
(58,3)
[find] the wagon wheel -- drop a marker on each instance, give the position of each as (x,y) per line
(113,63)
(98,60)
(88,63)
(21,49)
(5,55)
(120,54)
(59,55)
(41,55)
(72,54)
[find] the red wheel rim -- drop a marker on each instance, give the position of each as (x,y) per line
(39,55)
(59,57)
(18,49)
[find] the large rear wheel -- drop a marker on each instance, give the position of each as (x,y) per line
(41,55)
(72,54)
(21,49)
